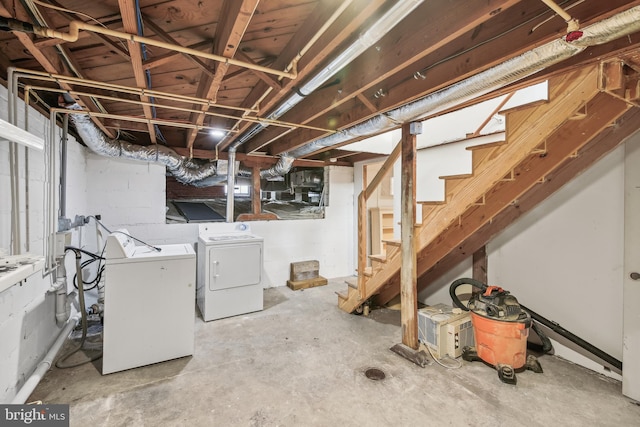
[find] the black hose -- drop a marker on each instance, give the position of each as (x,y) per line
(573,338)
(460,282)
(546,342)
(83,312)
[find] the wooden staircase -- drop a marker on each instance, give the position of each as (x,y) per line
(539,138)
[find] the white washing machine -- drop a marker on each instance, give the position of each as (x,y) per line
(148,309)
(229,278)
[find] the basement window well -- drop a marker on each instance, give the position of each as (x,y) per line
(300,194)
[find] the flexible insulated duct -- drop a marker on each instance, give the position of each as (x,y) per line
(187,171)
(515,69)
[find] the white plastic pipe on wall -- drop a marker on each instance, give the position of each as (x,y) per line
(42,368)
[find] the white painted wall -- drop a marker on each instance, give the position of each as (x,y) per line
(564,260)
(132,195)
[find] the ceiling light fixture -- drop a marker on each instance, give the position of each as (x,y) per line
(15,134)
(216,133)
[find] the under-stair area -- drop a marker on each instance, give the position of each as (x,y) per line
(589,111)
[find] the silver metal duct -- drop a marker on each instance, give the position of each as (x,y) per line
(187,171)
(374,33)
(282,167)
(508,72)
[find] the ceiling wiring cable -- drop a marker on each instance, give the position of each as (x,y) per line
(439,361)
(144,49)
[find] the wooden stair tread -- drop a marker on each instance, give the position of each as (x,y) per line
(393,242)
(433,203)
(458,176)
(378,257)
(342,295)
(488,144)
(352,282)
(524,107)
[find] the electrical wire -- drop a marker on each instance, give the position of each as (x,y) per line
(144,49)
(85,264)
(83,313)
(123,233)
(439,361)
(422,72)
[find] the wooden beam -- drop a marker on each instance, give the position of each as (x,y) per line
(384,169)
(408,270)
(130,25)
(255,196)
(49,59)
(488,49)
(342,30)
(167,37)
(169,57)
(429,32)
(261,75)
(100,37)
(263,162)
(229,33)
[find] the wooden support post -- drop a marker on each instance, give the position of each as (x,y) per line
(255,198)
(480,266)
(408,277)
(256,204)
(362,243)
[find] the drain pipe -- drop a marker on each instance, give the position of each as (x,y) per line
(231,182)
(42,368)
(510,71)
(63,167)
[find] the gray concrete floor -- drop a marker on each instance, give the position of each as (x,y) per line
(301,362)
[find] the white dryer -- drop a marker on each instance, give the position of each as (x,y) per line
(149,314)
(229,276)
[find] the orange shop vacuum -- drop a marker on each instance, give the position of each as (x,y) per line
(500,328)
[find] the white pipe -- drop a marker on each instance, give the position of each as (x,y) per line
(42,368)
(10,24)
(572,24)
(231,183)
(14,171)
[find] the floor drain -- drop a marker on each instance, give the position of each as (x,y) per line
(374,374)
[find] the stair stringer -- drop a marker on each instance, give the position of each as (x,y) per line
(526,130)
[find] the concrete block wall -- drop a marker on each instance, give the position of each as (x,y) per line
(114,185)
(125,192)
(27,311)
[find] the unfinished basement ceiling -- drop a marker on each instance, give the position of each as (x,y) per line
(276,47)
